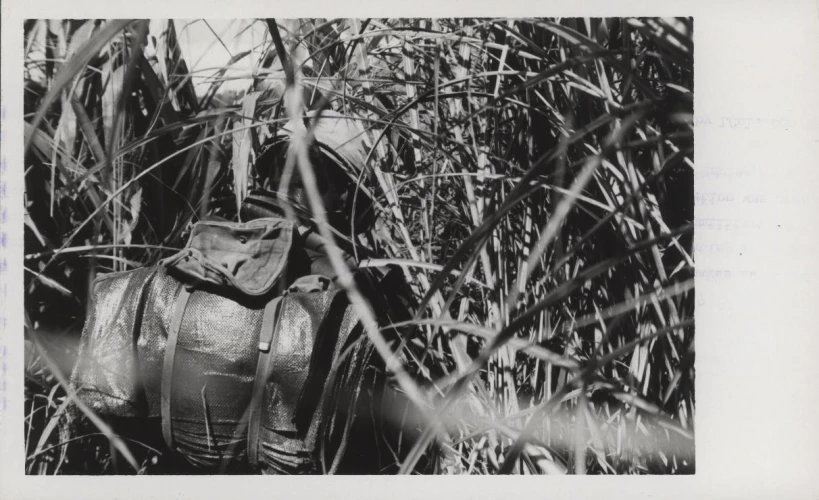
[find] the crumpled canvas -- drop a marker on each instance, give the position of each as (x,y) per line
(246,257)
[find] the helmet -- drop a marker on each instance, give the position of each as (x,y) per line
(339,139)
(337,154)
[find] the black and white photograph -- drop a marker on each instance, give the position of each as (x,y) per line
(371,246)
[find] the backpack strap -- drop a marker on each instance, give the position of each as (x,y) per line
(269,328)
(325,344)
(168,363)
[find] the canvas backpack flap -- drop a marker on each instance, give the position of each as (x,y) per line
(106,376)
(246,257)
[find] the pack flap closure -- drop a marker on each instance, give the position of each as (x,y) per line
(248,257)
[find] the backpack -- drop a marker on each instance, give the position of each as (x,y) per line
(243,354)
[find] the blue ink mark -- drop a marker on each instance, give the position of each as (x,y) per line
(3,372)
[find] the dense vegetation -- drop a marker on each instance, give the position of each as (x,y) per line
(534,178)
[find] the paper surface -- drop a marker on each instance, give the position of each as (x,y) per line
(757,278)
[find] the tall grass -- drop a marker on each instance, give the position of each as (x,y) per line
(532,177)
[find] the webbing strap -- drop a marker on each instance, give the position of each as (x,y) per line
(167,366)
(271,313)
